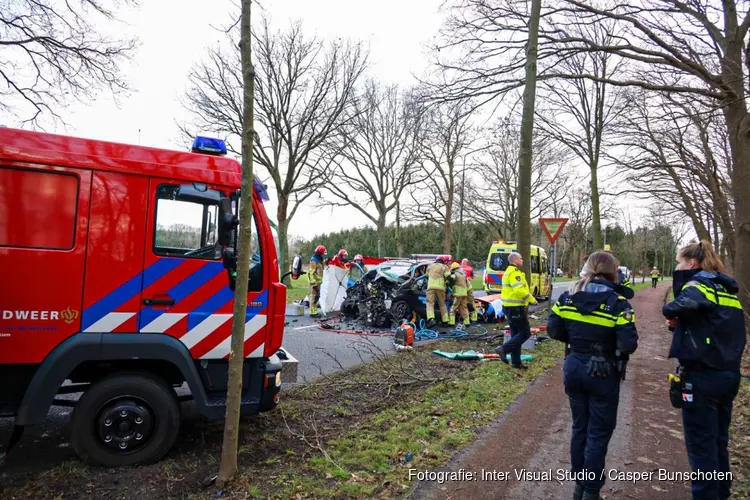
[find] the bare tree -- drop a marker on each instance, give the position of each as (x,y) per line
(303,91)
(447,135)
(673,46)
(372,159)
(493,194)
(228,464)
(676,150)
(579,112)
(51,52)
(527,135)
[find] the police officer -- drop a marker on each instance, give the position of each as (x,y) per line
(460,295)
(516,299)
(596,322)
(708,341)
(315,277)
(437,272)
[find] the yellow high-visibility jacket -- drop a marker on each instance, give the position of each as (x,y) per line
(436,274)
(461,284)
(515,289)
(315,271)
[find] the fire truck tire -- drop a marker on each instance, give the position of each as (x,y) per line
(125,419)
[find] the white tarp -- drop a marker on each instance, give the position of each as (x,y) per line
(496,307)
(333,289)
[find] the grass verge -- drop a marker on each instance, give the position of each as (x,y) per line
(298,290)
(344,435)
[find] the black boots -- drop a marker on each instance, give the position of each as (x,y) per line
(499,350)
(591,495)
(578,493)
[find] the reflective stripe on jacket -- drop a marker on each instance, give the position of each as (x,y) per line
(315,271)
(436,274)
(461,286)
(515,288)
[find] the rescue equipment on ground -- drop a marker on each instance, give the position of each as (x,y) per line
(472,355)
(404,335)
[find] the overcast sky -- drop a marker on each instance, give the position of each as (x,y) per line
(174,34)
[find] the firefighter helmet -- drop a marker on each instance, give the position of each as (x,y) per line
(454,266)
(321,250)
(358,258)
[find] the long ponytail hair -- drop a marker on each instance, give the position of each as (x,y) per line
(704,255)
(599,265)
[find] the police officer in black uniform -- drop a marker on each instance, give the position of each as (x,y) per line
(709,338)
(599,326)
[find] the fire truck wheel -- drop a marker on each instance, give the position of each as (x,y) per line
(125,419)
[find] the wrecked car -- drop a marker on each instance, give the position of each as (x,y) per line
(389,293)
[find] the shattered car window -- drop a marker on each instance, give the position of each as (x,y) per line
(499,261)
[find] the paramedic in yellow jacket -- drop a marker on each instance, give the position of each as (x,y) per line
(460,295)
(315,277)
(436,274)
(516,299)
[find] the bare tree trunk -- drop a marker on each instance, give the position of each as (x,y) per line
(527,130)
(282,220)
(596,222)
(381,233)
(283,233)
(228,465)
(739,128)
(447,228)
(399,245)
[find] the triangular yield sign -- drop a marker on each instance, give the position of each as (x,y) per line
(553,227)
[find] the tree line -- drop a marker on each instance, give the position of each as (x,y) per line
(638,248)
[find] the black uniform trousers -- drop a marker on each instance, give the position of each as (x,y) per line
(706,427)
(593,403)
(520,331)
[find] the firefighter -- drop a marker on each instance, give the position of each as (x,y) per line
(708,341)
(597,323)
(315,277)
(469,272)
(654,277)
(461,286)
(437,272)
(341,259)
(357,269)
(516,299)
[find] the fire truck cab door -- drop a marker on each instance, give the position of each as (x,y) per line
(186,290)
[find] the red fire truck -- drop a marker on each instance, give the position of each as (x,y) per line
(117,265)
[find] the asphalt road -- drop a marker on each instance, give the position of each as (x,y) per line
(319,352)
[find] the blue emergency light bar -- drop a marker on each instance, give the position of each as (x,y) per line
(209,146)
(260,188)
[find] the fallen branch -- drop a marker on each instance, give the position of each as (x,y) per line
(317,446)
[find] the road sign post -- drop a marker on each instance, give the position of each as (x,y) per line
(553,228)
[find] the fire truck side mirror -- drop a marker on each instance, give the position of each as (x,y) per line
(230,264)
(297,267)
(227,221)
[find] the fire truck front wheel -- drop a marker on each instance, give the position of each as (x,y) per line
(125,419)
